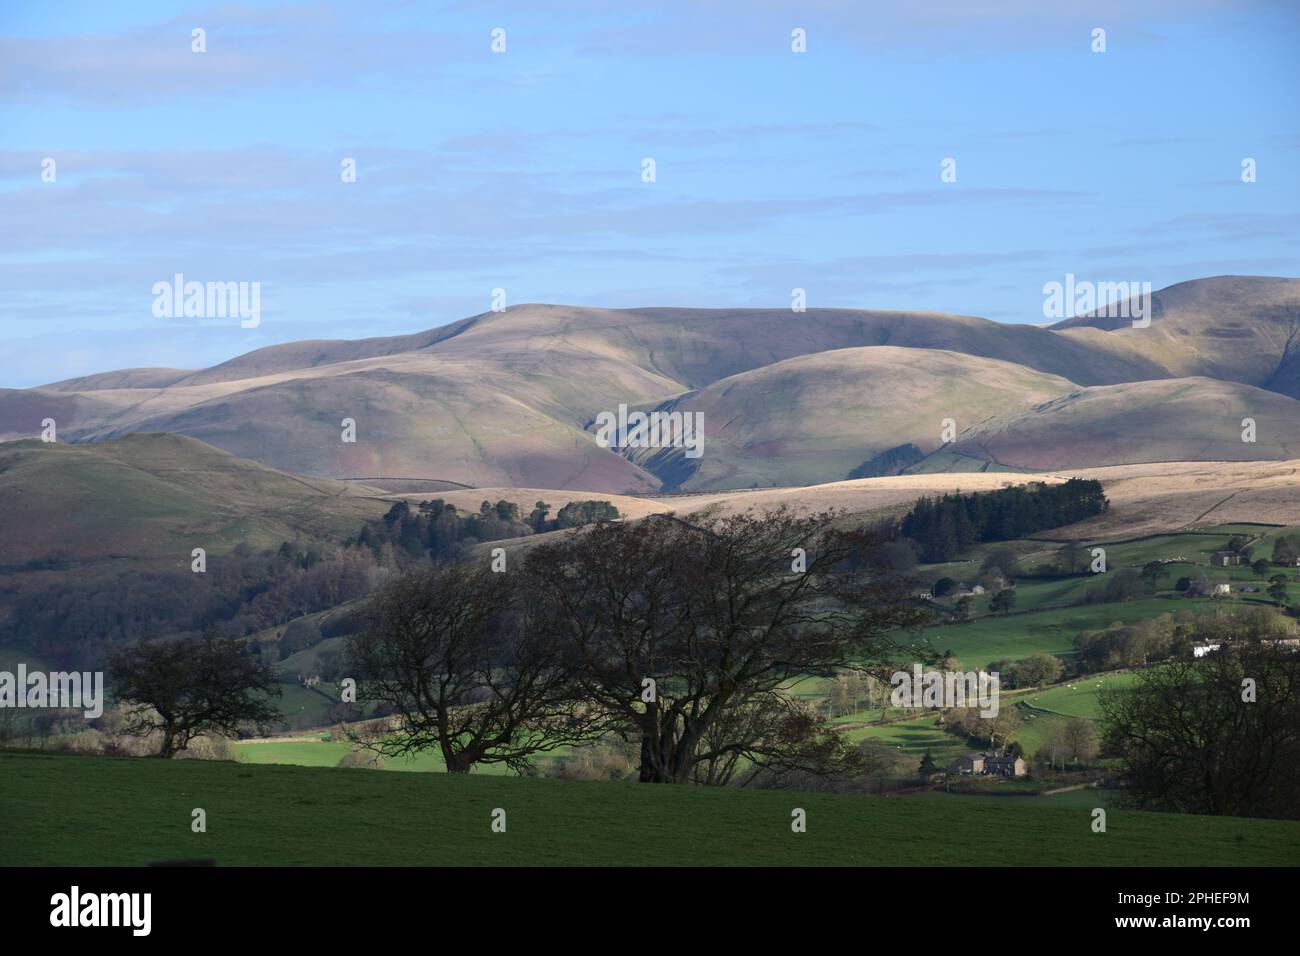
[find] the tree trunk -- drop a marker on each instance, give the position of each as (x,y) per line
(648,772)
(457,761)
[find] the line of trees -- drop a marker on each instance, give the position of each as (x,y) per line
(1286,550)
(1071,742)
(945,527)
(439,530)
(1172,635)
(1036,670)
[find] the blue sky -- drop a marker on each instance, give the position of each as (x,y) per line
(522,170)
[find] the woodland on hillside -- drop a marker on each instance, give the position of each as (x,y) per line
(75,620)
(947,526)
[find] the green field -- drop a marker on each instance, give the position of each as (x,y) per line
(1016,636)
(1194,546)
(1078,698)
(71,810)
(303,707)
(1039,710)
(11,657)
(913,738)
(1032,594)
(1085,798)
(301,753)
(320,752)
(1034,730)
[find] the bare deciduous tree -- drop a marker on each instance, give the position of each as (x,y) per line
(684,634)
(183,689)
(1080,739)
(1190,742)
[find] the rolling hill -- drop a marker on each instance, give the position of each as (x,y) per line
(97,541)
(507,398)
(1181,419)
(796,421)
(1236,328)
(154,497)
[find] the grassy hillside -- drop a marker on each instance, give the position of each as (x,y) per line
(1016,636)
(1079,697)
(418,415)
(1168,420)
(1038,710)
(148,497)
(1239,328)
(96,540)
(69,810)
(817,417)
(469,500)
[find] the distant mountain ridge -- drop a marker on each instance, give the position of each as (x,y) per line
(506,398)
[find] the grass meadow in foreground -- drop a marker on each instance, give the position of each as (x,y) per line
(69,810)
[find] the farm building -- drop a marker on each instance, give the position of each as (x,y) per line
(970,763)
(990,765)
(1005,766)
(1225,559)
